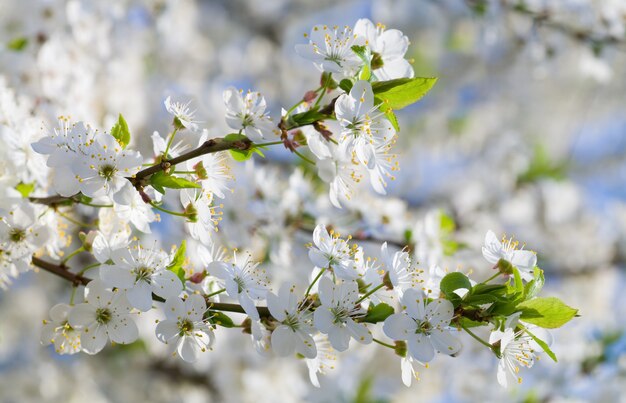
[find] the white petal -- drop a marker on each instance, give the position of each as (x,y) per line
(398,326)
(323,319)
(440,312)
(283,341)
(93,339)
(188,349)
(305,345)
(420,348)
(359,331)
(122,330)
(196,307)
(248,306)
(414,301)
(166,284)
(276,308)
(339,338)
(174,308)
(444,342)
(117,276)
(140,296)
(166,330)
(82,315)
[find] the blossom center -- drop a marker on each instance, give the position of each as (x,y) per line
(292,322)
(185,326)
(241,284)
(17,235)
(377,61)
(423,327)
(103,316)
(143,273)
(340,314)
(107,171)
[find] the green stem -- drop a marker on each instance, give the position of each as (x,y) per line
(86,268)
(71,255)
(492,277)
(382,343)
(73,294)
(75,221)
(271,143)
(156,206)
(94,204)
(378,287)
(481,341)
(319,99)
(169,142)
(215,293)
(303,157)
(308,290)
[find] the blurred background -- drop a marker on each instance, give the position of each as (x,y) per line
(524,134)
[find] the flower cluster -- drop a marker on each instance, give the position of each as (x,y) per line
(83,191)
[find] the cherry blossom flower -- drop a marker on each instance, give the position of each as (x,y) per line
(59,332)
(335,317)
(183,116)
(330,251)
(524,260)
(325,360)
(104,315)
(247,113)
(330,49)
(184,330)
(388,47)
(243,281)
(140,272)
(424,326)
(102,171)
(294,330)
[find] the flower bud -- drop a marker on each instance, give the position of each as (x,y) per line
(87,239)
(197,278)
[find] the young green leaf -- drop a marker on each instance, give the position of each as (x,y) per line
(25,189)
(160,180)
(402,92)
(543,345)
(548,312)
(176,265)
(452,282)
(17,44)
(378,313)
(120,131)
(219,318)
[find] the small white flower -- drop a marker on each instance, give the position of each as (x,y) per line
(243,281)
(517,349)
(140,272)
(338,170)
(324,360)
(388,49)
(330,49)
(212,170)
(524,260)
(205,217)
(333,253)
(184,330)
(335,316)
(247,113)
(102,171)
(63,147)
(59,332)
(364,126)
(424,326)
(137,212)
(104,315)
(401,273)
(182,115)
(294,330)
(21,233)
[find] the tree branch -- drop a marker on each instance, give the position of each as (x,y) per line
(61,271)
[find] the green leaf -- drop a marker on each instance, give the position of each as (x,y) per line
(305,118)
(402,92)
(239,155)
(25,189)
(176,265)
(392,118)
(533,287)
(364,54)
(120,131)
(495,289)
(543,345)
(346,85)
(378,313)
(446,223)
(160,180)
(219,318)
(17,44)
(452,282)
(548,312)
